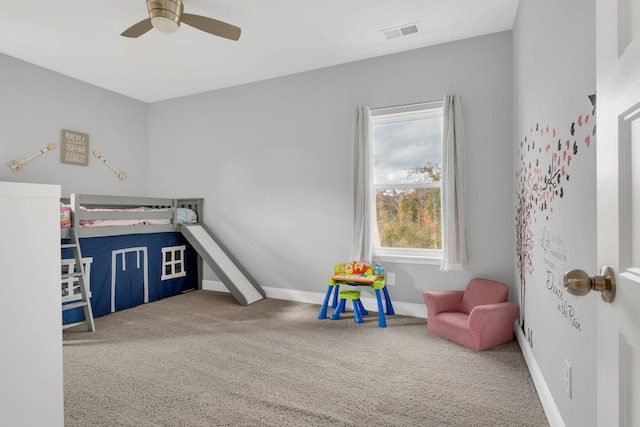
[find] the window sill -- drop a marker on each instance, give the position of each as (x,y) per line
(409,259)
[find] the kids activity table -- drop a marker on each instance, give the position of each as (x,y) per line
(377,283)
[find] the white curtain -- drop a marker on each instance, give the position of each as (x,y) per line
(365,224)
(453,187)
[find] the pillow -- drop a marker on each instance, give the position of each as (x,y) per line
(65,216)
(187,216)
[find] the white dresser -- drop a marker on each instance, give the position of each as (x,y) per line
(31,382)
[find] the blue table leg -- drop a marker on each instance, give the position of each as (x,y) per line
(325,304)
(363,310)
(339,309)
(387,301)
(382,322)
(334,304)
(357,317)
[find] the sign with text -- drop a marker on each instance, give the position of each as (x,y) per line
(74,148)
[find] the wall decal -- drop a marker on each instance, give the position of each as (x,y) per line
(75,148)
(555,253)
(543,180)
(566,310)
(17,165)
(120,174)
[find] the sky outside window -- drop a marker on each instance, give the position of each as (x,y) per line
(403,146)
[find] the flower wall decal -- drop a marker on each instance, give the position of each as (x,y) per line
(543,179)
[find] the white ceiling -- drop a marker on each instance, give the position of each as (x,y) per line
(81,38)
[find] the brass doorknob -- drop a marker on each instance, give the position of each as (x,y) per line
(579,283)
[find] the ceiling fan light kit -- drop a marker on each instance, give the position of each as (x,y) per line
(166,16)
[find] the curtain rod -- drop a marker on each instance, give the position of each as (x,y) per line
(406,106)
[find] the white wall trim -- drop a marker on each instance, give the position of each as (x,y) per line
(213,285)
(548,404)
(401,308)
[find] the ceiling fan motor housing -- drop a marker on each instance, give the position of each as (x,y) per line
(165,14)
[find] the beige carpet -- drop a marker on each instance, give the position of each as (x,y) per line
(200,359)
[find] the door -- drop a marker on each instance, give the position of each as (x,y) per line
(618,209)
(129,278)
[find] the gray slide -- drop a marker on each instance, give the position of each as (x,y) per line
(238,280)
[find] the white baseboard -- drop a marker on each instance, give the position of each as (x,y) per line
(549,405)
(401,308)
(214,285)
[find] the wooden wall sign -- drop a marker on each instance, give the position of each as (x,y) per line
(74,148)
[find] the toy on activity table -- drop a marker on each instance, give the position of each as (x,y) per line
(359,274)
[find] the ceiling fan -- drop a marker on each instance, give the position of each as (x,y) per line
(166,16)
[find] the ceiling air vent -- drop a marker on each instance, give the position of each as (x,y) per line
(401,31)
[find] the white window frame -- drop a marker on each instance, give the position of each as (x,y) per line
(393,115)
(173,262)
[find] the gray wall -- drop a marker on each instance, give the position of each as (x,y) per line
(36,104)
(554,63)
(274,161)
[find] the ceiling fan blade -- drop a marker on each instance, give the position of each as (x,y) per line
(212,26)
(136,30)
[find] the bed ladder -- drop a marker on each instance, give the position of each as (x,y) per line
(82,282)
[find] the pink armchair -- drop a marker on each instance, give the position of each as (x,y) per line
(478,318)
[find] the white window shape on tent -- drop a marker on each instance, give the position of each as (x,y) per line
(173,262)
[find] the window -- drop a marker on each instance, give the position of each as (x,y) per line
(173,262)
(407,180)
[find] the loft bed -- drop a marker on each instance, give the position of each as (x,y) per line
(99,215)
(132,250)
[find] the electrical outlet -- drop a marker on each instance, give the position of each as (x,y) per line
(391,279)
(567,378)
